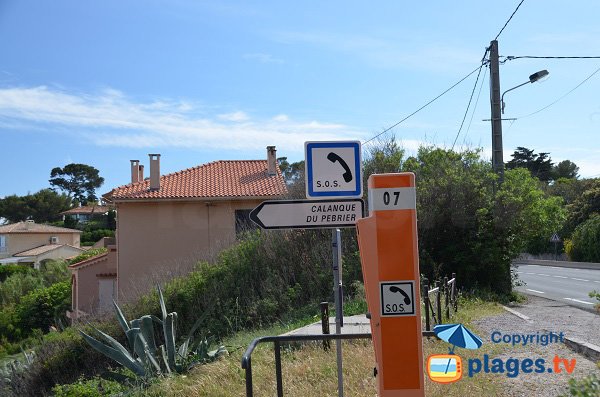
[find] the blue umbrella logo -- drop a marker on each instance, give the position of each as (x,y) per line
(457,335)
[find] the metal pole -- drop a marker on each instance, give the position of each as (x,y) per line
(426,300)
(277,347)
(496,108)
(325,323)
(336,243)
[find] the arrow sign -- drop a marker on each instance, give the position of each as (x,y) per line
(307,214)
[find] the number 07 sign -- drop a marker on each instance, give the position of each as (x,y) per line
(333,169)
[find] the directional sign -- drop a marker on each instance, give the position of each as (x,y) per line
(333,169)
(555,238)
(306,214)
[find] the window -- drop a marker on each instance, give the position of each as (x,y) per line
(3,243)
(243,222)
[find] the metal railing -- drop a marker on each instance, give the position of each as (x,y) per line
(277,341)
(436,308)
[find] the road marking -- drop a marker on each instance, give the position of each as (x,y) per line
(579,301)
(530,273)
(535,290)
(545,275)
(580,279)
(560,276)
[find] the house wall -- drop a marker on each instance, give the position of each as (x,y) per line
(86,281)
(162,239)
(18,242)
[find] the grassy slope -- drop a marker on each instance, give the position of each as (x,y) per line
(311,371)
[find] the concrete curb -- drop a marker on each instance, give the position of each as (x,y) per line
(586,349)
(572,265)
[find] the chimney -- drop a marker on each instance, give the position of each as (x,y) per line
(271,160)
(135,176)
(141,173)
(154,171)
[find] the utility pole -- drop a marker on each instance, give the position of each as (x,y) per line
(496,119)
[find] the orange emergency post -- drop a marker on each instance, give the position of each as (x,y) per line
(390,263)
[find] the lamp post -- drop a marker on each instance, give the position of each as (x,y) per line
(497,106)
(532,79)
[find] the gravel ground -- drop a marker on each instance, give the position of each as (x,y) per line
(545,316)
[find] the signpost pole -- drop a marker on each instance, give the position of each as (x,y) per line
(336,244)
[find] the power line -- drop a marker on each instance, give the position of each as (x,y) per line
(570,91)
(483,62)
(511,58)
(468,105)
(511,16)
(476,103)
(424,106)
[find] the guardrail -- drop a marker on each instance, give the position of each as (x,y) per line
(435,308)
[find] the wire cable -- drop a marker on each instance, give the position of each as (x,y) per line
(554,102)
(511,58)
(511,16)
(468,106)
(424,106)
(476,103)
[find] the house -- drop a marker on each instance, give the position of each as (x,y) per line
(165,224)
(93,283)
(86,213)
(29,242)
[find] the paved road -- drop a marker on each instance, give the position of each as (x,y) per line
(561,284)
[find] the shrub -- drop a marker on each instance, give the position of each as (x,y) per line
(40,309)
(18,285)
(9,270)
(586,241)
(95,387)
(61,359)
(86,255)
(586,387)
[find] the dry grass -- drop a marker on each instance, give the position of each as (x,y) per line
(311,372)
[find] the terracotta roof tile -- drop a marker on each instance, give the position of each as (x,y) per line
(219,179)
(32,227)
(87,209)
(43,249)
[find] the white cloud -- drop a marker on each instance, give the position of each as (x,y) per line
(110,118)
(281,117)
(235,116)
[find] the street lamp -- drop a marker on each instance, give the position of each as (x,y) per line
(532,79)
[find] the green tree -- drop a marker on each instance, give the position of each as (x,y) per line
(43,206)
(565,169)
(293,173)
(531,217)
(583,207)
(382,156)
(585,242)
(79,181)
(540,165)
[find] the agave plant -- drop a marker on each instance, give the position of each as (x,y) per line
(146,358)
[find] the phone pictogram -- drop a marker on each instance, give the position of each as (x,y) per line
(393,288)
(333,157)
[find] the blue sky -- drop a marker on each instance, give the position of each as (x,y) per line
(104,82)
